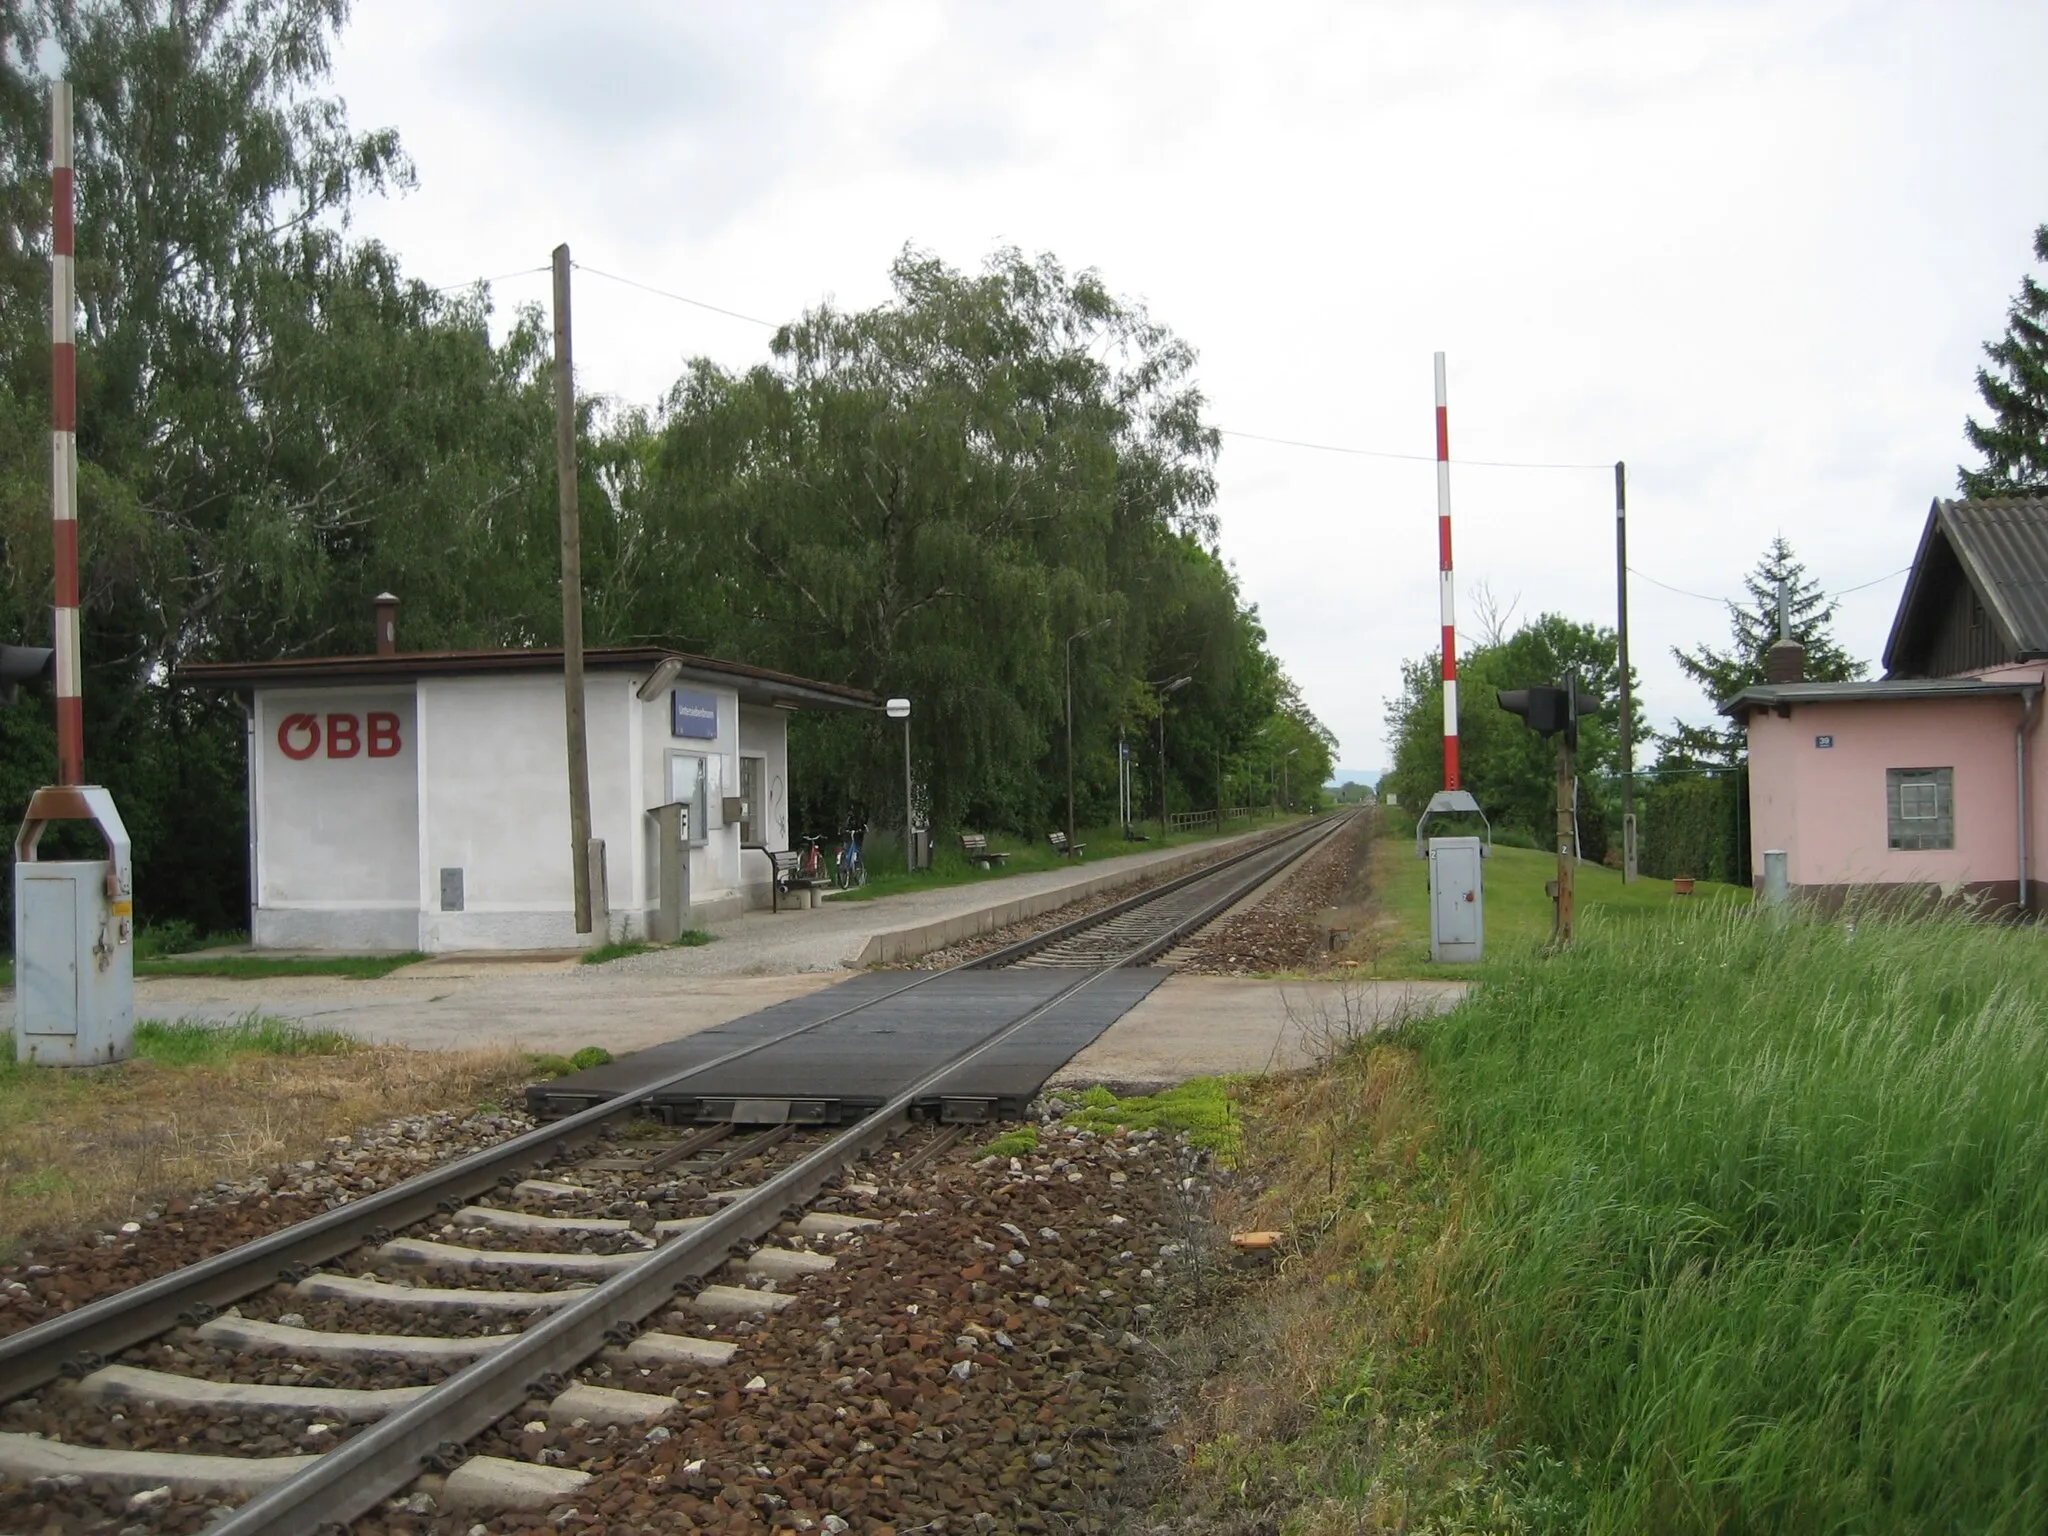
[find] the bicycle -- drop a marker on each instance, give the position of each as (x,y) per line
(849,869)
(810,864)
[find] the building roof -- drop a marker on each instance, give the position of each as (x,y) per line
(755,685)
(2002,546)
(1894,690)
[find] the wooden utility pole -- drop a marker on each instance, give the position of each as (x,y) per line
(1628,745)
(572,596)
(1567,843)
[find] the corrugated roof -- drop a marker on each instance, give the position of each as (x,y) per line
(1884,690)
(755,684)
(2002,546)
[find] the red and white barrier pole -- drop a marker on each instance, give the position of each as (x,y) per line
(64,442)
(1446,597)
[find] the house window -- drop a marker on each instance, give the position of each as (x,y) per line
(1922,807)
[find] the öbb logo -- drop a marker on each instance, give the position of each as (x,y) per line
(299,736)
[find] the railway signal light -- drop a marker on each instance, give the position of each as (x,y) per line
(23,664)
(1547,710)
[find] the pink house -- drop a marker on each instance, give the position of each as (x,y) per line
(1933,777)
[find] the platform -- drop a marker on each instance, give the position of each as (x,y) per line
(851,1066)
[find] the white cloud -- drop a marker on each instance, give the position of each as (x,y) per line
(1751,249)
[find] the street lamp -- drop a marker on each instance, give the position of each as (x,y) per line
(1079,634)
(1177,683)
(1286,800)
(899,709)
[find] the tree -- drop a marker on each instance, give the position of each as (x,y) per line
(2014,441)
(1721,674)
(1509,768)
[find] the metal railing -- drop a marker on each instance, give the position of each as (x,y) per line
(1189,821)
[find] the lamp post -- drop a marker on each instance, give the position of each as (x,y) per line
(1079,634)
(1286,800)
(899,709)
(1178,683)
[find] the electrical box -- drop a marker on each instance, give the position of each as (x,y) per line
(1457,884)
(1457,899)
(74,932)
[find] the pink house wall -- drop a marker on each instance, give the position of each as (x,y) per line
(1826,806)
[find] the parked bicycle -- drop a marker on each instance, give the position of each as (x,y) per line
(810,864)
(849,869)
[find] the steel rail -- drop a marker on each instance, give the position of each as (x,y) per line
(1023,948)
(354,1477)
(81,1340)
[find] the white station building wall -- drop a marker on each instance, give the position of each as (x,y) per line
(434,815)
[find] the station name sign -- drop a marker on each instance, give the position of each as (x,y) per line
(693,714)
(372,735)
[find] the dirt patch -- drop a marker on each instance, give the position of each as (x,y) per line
(198,1157)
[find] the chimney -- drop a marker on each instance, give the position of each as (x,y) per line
(1786,660)
(387,623)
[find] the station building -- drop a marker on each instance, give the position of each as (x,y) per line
(420,800)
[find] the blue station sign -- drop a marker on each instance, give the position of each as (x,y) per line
(693,714)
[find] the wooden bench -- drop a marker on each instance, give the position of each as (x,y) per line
(974,845)
(786,878)
(1059,846)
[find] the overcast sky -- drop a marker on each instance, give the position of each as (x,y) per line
(1752,249)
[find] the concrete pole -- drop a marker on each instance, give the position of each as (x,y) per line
(909,849)
(572,595)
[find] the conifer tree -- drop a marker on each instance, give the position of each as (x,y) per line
(2014,441)
(1753,631)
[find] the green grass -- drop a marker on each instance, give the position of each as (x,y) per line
(1518,907)
(1201,1107)
(1020,1141)
(262,967)
(546,1066)
(950,867)
(187,1042)
(691,938)
(1757,1231)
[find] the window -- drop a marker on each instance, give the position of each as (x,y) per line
(692,780)
(752,771)
(1922,807)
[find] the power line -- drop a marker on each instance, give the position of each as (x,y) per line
(680,298)
(1731,603)
(1415,458)
(486,281)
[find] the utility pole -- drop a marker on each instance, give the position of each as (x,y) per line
(1628,744)
(1567,842)
(572,596)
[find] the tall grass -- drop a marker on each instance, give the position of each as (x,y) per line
(1759,1237)
(190,1042)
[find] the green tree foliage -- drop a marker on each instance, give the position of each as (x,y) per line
(2014,440)
(1693,824)
(275,423)
(1753,630)
(1509,768)
(927,498)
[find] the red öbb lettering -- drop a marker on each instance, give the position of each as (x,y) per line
(384,740)
(344,736)
(298,736)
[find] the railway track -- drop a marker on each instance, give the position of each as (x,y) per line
(382,1336)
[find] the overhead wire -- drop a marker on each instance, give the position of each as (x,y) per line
(1731,603)
(1416,458)
(1256,437)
